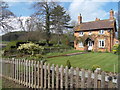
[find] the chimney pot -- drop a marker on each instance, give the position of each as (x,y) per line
(97,19)
(111,14)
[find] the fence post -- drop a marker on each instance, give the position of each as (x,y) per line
(57,76)
(35,74)
(103,79)
(32,81)
(26,76)
(66,77)
(12,69)
(22,81)
(45,75)
(53,72)
(48,75)
(15,70)
(95,79)
(19,70)
(77,77)
(71,77)
(83,79)
(24,70)
(41,74)
(38,74)
(89,79)
(110,83)
(29,73)
(61,77)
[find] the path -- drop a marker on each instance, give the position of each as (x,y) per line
(71,54)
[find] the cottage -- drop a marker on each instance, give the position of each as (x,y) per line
(98,35)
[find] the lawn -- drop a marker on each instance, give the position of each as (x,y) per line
(105,60)
(62,53)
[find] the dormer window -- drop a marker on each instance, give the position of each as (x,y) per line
(90,32)
(101,32)
(81,33)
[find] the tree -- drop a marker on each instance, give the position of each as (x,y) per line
(59,18)
(43,12)
(5,14)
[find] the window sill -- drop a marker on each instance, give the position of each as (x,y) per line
(101,47)
(80,35)
(81,47)
(101,34)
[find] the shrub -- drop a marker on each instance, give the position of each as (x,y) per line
(30,48)
(115,48)
(68,64)
(94,67)
(36,57)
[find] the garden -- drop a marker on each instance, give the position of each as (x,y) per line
(55,54)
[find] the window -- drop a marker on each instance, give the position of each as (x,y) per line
(101,43)
(80,44)
(101,32)
(81,33)
(90,32)
(116,42)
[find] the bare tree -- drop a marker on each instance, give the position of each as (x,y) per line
(5,15)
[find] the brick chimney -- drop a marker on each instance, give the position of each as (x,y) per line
(79,19)
(97,19)
(111,14)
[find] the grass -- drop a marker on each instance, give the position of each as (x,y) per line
(6,84)
(62,53)
(105,60)
(0,83)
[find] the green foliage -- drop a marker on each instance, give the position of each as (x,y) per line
(68,64)
(36,57)
(99,51)
(94,67)
(11,45)
(13,36)
(115,49)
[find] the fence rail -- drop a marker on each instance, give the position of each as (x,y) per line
(36,74)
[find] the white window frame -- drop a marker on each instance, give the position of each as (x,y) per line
(101,31)
(90,32)
(116,42)
(80,44)
(100,43)
(81,33)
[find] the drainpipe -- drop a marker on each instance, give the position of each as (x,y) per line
(110,40)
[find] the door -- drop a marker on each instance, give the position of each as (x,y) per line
(90,45)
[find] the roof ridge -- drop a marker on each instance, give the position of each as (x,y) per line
(96,21)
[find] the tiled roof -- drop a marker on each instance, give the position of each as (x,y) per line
(93,25)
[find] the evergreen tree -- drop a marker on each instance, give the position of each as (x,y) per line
(59,18)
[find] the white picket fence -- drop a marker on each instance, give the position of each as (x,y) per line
(36,74)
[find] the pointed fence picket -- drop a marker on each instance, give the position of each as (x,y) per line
(35,74)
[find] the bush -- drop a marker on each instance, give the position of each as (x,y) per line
(68,64)
(94,67)
(115,49)
(11,45)
(36,57)
(30,48)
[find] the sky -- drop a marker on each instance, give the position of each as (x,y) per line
(88,9)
